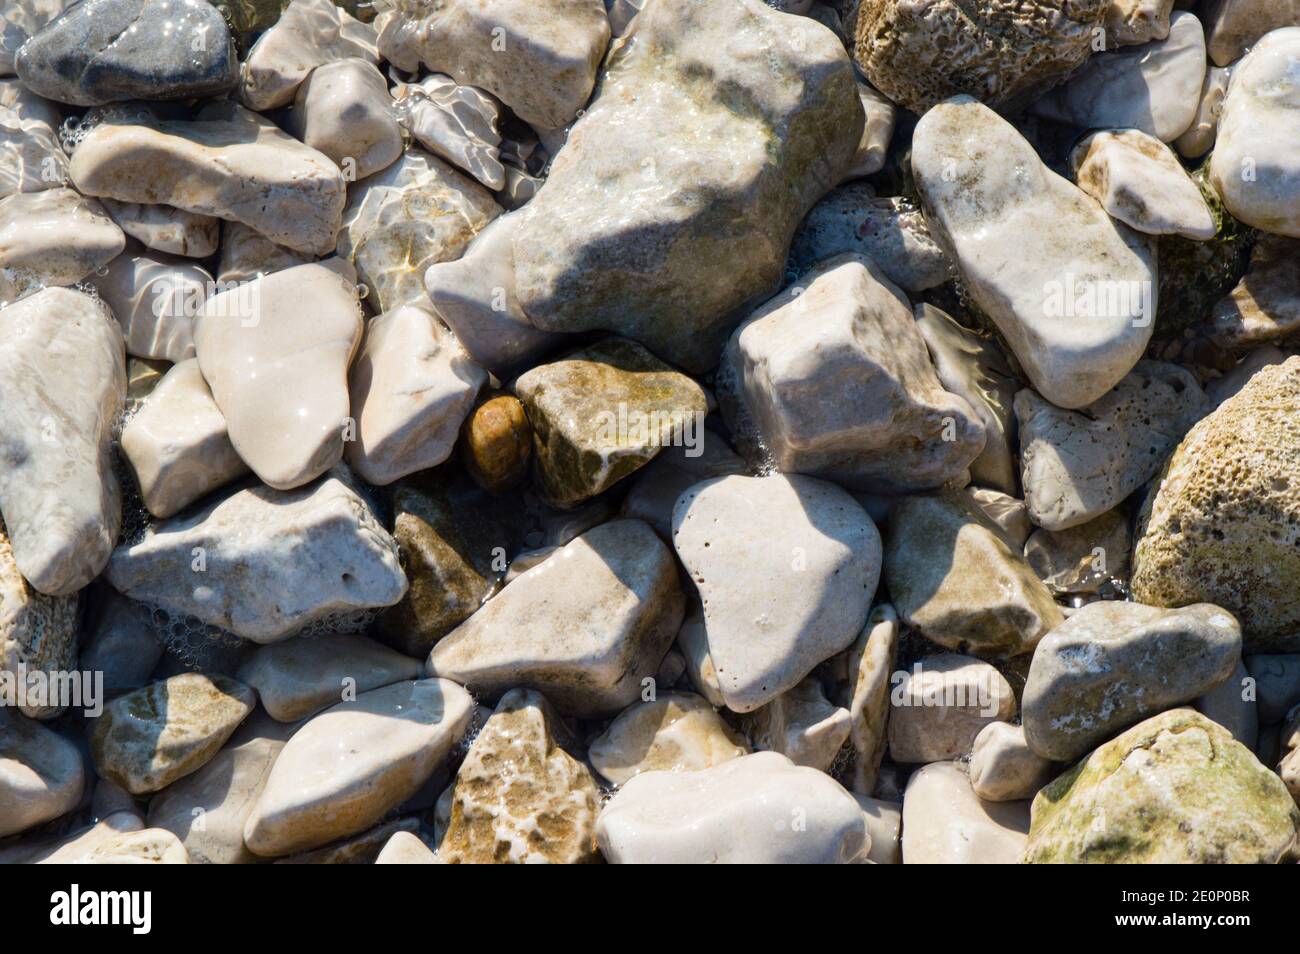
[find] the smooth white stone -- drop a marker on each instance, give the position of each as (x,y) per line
(165,228)
(945,822)
(457,123)
(343,110)
(307,35)
(41,773)
(54,237)
(156,298)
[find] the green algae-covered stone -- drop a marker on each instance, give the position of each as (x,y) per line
(147,739)
(603,412)
(454,540)
(1176,788)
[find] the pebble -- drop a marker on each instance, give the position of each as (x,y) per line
(545,75)
(1232,29)
(599,414)
(456,123)
(412,386)
(836,380)
(757,809)
(1199,137)
(870,668)
(1175,789)
(233,563)
(497,444)
(118,839)
(41,775)
(1223,522)
(343,110)
(802,725)
(166,229)
(52,238)
(275,353)
(299,677)
(939,707)
(1154,88)
(945,822)
(1112,664)
(31,159)
(62,382)
(149,738)
(987,196)
(349,766)
(674,732)
(38,633)
(953,576)
(519,797)
(1139,180)
(398,223)
(405,848)
(107,51)
(156,298)
(308,34)
(1254,167)
(586,626)
(177,444)
(1076,465)
(1003,768)
(787,586)
(227,162)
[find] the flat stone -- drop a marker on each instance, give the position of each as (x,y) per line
(177,443)
(945,822)
(299,677)
(118,839)
(1079,312)
(275,353)
(1176,788)
(871,669)
(453,540)
(107,51)
(349,766)
(1233,26)
(1139,180)
(539,57)
(1277,684)
(953,576)
(1232,705)
(1079,464)
(412,386)
(149,738)
(1004,53)
(519,798)
(601,413)
(802,725)
(675,732)
(456,123)
(1155,88)
(166,229)
(941,705)
(1113,664)
(156,298)
(417,212)
(246,254)
(53,237)
(1264,307)
(227,162)
(251,545)
(31,159)
(1199,137)
(38,633)
(405,848)
(1253,166)
(1134,22)
(1084,558)
(585,626)
(675,470)
(1003,768)
(786,568)
(835,379)
(758,809)
(976,369)
(343,110)
(207,811)
(625,234)
(121,642)
(62,382)
(889,231)
(307,35)
(1222,525)
(41,775)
